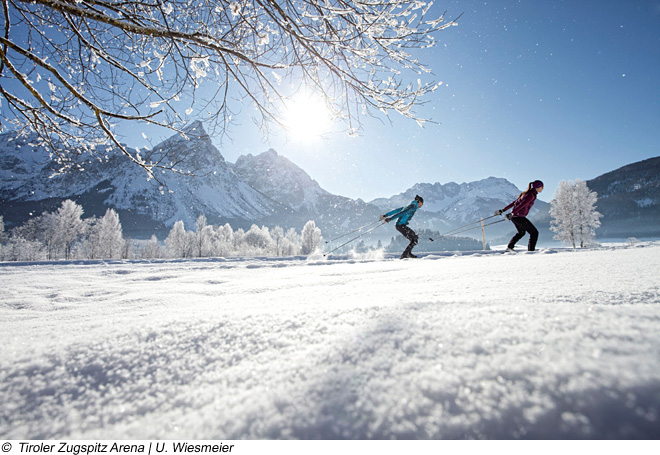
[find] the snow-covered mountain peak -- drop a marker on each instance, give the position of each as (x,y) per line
(195,128)
(271,152)
(276,176)
(269,159)
(26,175)
(193,149)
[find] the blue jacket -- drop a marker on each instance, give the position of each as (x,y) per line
(404,214)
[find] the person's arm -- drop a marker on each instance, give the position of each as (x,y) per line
(392,214)
(404,211)
(510,205)
(521,200)
(501,211)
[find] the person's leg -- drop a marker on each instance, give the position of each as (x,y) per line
(413,242)
(533,235)
(410,235)
(520,227)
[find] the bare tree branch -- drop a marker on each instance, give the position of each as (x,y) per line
(69,69)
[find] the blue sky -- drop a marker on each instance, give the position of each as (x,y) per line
(550,90)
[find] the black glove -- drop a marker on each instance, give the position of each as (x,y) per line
(509,216)
(498,212)
(387,220)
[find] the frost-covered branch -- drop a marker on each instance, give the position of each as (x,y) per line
(72,70)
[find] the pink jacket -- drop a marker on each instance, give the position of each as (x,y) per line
(523,204)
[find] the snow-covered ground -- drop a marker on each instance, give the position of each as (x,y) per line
(553,344)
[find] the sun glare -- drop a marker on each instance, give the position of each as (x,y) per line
(307,118)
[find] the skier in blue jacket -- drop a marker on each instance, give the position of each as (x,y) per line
(403,216)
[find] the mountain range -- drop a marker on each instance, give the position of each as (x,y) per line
(268,189)
(629,199)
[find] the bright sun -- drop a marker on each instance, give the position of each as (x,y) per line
(307,118)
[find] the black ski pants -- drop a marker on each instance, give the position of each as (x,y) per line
(523,225)
(410,235)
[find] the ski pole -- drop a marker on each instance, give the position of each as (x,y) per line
(464,226)
(354,230)
(355,238)
(469,224)
(470,229)
(477,227)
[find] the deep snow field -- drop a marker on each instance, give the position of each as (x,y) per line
(555,344)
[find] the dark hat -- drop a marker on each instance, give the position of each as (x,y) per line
(419,198)
(537,184)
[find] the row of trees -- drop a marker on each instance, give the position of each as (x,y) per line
(64,234)
(211,241)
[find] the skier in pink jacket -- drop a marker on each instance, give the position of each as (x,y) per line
(518,215)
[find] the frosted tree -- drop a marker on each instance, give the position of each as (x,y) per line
(152,250)
(574,215)
(291,244)
(223,241)
(203,237)
(127,249)
(277,234)
(90,247)
(259,239)
(111,238)
(311,238)
(69,225)
(2,231)
(45,227)
(238,239)
(32,231)
(3,237)
(561,211)
(74,72)
(588,218)
(20,249)
(179,243)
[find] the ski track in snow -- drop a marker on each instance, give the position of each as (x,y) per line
(556,344)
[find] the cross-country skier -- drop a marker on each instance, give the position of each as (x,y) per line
(403,216)
(518,215)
